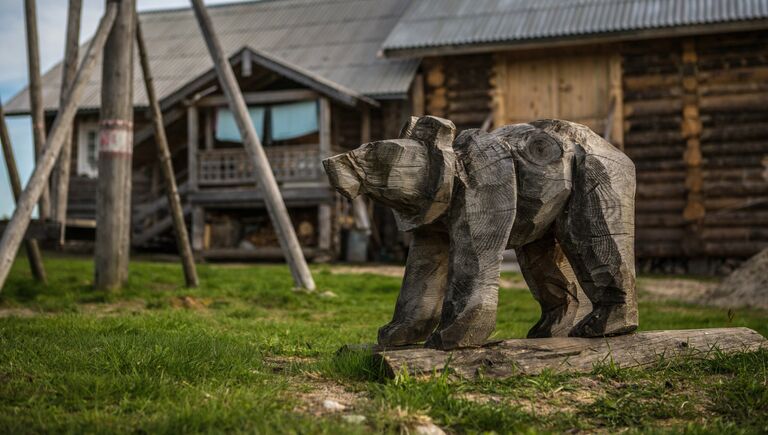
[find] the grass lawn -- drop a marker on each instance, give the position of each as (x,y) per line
(244,353)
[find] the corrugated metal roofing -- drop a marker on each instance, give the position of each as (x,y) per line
(335,39)
(438,23)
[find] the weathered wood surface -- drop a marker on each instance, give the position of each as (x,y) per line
(61,176)
(113,200)
(553,190)
(275,205)
(569,354)
(166,167)
(17,227)
(33,250)
(36,97)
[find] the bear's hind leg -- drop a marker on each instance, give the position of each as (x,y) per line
(553,285)
(421,295)
(597,236)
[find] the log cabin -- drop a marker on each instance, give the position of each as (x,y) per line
(680,85)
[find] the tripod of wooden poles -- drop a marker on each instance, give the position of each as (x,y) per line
(114,37)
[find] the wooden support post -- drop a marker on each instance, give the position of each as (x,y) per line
(166,166)
(36,98)
(691,130)
(62,127)
(30,245)
(324,231)
(569,354)
(198,228)
(193,138)
(359,206)
(417,96)
(325,211)
(208,128)
(113,199)
(616,118)
(61,176)
(266,179)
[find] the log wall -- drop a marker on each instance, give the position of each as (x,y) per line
(696,126)
(459,88)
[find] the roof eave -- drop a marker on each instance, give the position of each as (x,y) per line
(587,39)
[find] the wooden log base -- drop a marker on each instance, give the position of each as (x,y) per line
(507,358)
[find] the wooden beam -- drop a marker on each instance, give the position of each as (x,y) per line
(246,64)
(193,140)
(616,126)
(266,179)
(113,200)
(325,127)
(198,228)
(61,176)
(166,167)
(690,130)
(208,129)
(569,354)
(417,95)
(263,97)
(31,247)
(62,127)
(36,98)
(359,205)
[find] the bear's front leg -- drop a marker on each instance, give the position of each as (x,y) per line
(421,295)
(480,221)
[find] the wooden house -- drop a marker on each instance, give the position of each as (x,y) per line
(680,85)
(314,86)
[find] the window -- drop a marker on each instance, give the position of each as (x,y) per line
(88,149)
(274,123)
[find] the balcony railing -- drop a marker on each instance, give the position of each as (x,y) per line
(227,167)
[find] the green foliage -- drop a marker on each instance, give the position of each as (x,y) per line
(239,353)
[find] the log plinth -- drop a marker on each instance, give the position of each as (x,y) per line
(507,358)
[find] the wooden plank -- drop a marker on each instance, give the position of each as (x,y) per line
(262,97)
(266,180)
(69,69)
(113,201)
(166,166)
(570,354)
(193,139)
(61,128)
(34,256)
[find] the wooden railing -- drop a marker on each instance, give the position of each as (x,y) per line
(226,167)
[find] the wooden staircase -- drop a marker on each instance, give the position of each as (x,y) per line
(152,222)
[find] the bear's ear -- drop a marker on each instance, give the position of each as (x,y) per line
(437,135)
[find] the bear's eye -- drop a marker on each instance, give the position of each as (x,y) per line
(542,149)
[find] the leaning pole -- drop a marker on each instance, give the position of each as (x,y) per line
(30,245)
(62,127)
(264,176)
(166,165)
(113,197)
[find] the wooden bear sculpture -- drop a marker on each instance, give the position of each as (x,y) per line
(553,190)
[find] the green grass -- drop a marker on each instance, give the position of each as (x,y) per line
(244,353)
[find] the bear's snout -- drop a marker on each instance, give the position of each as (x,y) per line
(342,176)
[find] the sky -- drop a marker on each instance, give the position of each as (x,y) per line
(51,25)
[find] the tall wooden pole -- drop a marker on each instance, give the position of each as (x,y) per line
(36,97)
(266,179)
(113,198)
(61,176)
(166,166)
(62,127)
(30,245)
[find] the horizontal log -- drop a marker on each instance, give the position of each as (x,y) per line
(737,174)
(734,75)
(646,205)
(741,188)
(734,102)
(653,107)
(659,234)
(733,248)
(568,354)
(653,152)
(734,234)
(648,220)
(732,203)
(734,148)
(38,230)
(644,176)
(737,218)
(636,83)
(658,249)
(661,190)
(735,132)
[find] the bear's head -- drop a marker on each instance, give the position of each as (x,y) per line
(413,174)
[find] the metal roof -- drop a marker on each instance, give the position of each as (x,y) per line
(452,23)
(333,40)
